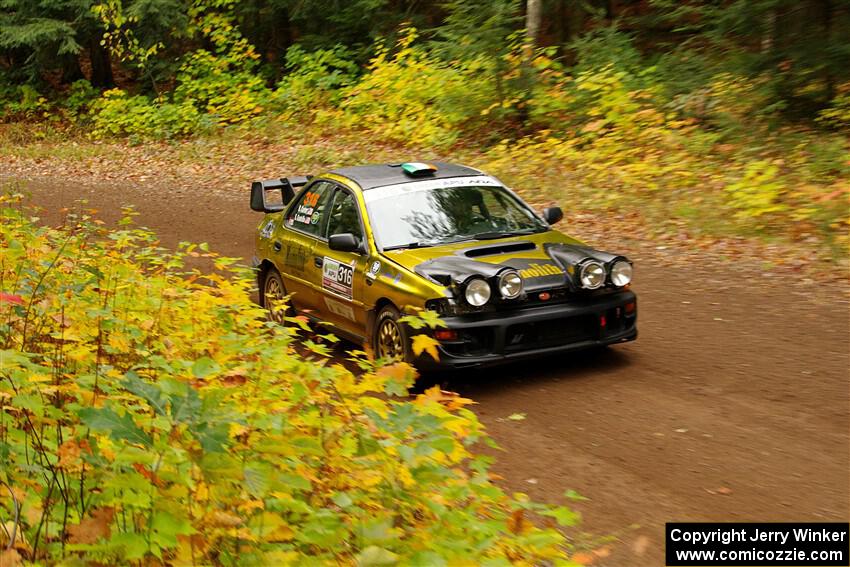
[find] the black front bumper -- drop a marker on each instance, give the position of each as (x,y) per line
(494,338)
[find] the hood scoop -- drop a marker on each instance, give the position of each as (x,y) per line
(496,249)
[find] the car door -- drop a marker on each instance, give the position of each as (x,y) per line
(294,242)
(340,275)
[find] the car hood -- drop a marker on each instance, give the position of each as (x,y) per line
(545,260)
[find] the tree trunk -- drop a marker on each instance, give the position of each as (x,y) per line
(71,70)
(534,21)
(101,65)
(829,77)
(769,32)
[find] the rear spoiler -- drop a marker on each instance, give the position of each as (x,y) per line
(263,202)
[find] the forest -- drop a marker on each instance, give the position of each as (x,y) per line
(728,117)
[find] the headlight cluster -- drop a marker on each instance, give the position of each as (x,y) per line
(478,291)
(592,274)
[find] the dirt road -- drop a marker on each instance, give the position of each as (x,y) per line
(732,404)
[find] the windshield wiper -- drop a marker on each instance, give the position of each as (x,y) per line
(503,234)
(424,244)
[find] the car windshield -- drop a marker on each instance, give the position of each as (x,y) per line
(433,212)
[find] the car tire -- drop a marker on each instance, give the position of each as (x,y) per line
(274,290)
(390,339)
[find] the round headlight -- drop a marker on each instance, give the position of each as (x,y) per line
(477,292)
(621,273)
(592,275)
(510,285)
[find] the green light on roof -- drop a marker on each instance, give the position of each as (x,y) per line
(416,169)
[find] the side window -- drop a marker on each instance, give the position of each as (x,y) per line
(343,216)
(307,214)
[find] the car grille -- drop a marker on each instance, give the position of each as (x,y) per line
(542,334)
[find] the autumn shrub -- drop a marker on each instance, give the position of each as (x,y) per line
(315,80)
(22,102)
(837,114)
(410,95)
(116,113)
(150,415)
(608,144)
(215,86)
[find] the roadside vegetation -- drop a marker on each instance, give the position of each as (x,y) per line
(150,415)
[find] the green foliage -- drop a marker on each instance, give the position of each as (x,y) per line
(758,191)
(477,28)
(214,86)
(117,114)
(608,47)
(77,102)
(121,38)
(150,414)
(222,87)
(315,79)
(23,101)
(837,114)
(47,32)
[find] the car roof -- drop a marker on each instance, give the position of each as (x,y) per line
(371,176)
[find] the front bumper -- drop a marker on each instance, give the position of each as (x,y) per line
(495,338)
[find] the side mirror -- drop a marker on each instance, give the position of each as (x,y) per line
(552,214)
(345,242)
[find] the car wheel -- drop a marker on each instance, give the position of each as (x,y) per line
(273,294)
(390,340)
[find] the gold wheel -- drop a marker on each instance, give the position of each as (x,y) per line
(390,341)
(273,296)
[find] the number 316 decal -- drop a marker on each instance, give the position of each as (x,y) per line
(337,277)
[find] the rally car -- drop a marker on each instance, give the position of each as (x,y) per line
(359,247)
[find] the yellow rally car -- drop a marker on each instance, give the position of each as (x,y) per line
(359,247)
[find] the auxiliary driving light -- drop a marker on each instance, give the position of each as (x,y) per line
(477,292)
(621,273)
(510,285)
(592,275)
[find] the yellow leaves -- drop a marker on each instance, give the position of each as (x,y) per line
(405,477)
(20,543)
(273,528)
(69,454)
(202,492)
(93,528)
(237,430)
(39,377)
(118,342)
(451,400)
(589,557)
(594,126)
(222,519)
(518,523)
(10,558)
(424,343)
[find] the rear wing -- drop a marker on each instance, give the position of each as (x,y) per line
(265,197)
